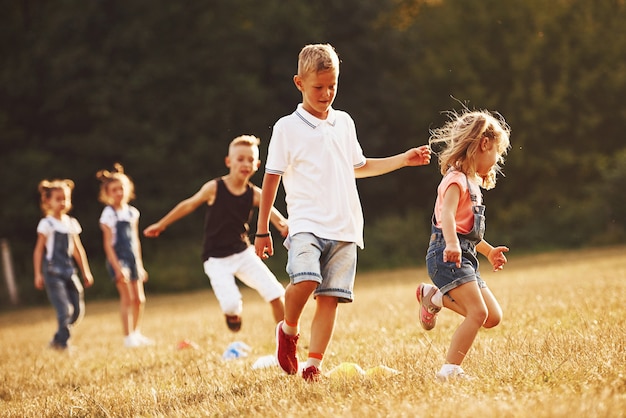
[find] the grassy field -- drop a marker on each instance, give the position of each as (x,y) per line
(559,352)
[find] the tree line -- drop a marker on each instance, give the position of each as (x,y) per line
(162,87)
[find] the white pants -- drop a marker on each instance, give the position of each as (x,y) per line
(247,267)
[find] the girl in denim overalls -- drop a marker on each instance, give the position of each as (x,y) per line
(474,143)
(58,245)
(119,224)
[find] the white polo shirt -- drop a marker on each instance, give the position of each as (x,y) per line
(316,159)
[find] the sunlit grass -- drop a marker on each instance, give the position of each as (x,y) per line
(559,352)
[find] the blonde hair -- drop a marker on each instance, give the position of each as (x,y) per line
(245,140)
(107,177)
(249,140)
(457,142)
(316,58)
(46,187)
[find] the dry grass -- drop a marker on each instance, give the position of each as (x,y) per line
(560,352)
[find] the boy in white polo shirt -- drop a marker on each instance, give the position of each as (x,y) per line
(316,152)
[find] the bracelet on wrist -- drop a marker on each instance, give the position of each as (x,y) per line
(265,235)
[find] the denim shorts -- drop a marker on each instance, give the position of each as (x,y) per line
(131,269)
(330,263)
(445,275)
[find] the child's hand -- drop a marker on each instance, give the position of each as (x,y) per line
(284,229)
(418,156)
(264,247)
(452,254)
(143,275)
(88,280)
(39,282)
(153,231)
(496,257)
(121,277)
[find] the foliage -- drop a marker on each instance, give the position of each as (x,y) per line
(162,87)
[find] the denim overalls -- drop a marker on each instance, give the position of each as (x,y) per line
(63,288)
(124,248)
(446,276)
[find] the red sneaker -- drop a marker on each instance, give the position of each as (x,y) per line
(311,374)
(428,310)
(286,350)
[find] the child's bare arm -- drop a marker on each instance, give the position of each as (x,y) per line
(276,218)
(109,252)
(37,258)
(263,244)
(378,166)
(206,194)
(81,259)
(141,271)
(452,251)
(495,255)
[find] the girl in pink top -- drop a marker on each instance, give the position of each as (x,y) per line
(474,144)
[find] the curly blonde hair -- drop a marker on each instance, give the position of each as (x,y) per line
(457,142)
(107,177)
(46,187)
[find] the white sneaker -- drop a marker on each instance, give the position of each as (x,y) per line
(142,339)
(451,372)
(131,342)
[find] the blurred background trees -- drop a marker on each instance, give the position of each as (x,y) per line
(162,87)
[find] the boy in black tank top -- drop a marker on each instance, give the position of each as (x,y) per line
(226,250)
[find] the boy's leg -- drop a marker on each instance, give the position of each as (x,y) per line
(278,309)
(253,272)
(221,275)
(296,297)
(322,328)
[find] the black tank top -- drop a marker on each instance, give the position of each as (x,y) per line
(226,223)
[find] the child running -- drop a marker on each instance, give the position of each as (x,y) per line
(316,153)
(227,252)
(58,246)
(119,223)
(474,144)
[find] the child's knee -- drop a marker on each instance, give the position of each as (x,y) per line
(492,321)
(139,301)
(479,316)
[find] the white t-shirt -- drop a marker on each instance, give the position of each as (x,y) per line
(126,213)
(316,159)
(67,225)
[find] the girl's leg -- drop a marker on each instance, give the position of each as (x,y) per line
(57,294)
(138,302)
(470,301)
(123,289)
(77,300)
(493,307)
